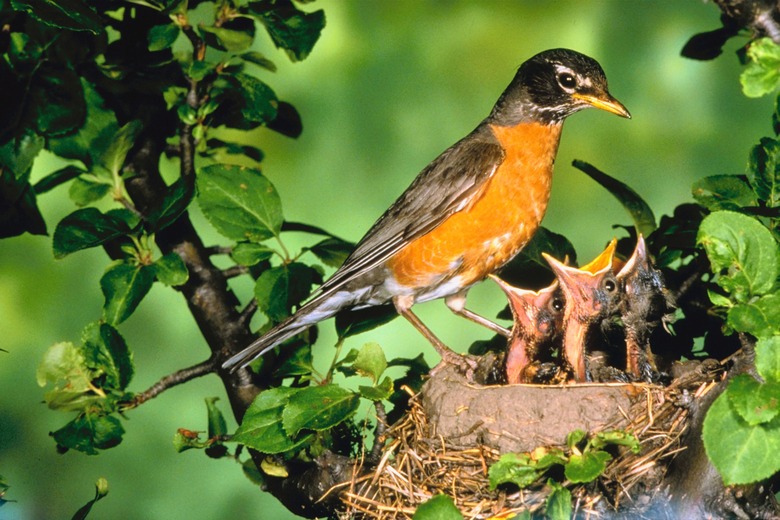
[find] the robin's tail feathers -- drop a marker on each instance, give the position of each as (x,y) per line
(282,332)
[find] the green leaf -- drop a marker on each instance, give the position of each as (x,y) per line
(259,59)
(718,299)
(300,363)
(19,211)
(371,361)
(18,154)
(290,29)
(641,214)
(92,138)
(439,507)
(184,440)
(90,432)
(513,468)
(262,429)
(113,157)
(768,358)
(85,228)
(281,288)
(741,453)
(759,317)
(171,270)
(756,403)
(57,98)
(74,15)
(575,437)
(353,322)
(161,37)
(257,102)
(318,408)
(332,251)
(101,490)
(105,351)
(548,457)
(83,191)
(64,366)
(558,503)
(615,437)
(719,192)
(378,392)
(586,467)
(235,35)
(764,171)
(124,286)
(744,249)
(239,202)
(762,74)
(217,145)
(58,177)
(248,253)
(174,204)
(217,424)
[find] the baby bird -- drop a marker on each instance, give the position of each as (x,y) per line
(643,305)
(591,294)
(537,326)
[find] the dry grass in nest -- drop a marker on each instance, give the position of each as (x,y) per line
(418,462)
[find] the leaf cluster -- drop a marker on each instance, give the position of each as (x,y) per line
(584,460)
(289,419)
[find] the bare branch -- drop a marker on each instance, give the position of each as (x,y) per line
(236,270)
(171,380)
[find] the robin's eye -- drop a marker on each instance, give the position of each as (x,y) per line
(610,286)
(567,80)
(557,304)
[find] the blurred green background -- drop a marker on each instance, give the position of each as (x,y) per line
(388,87)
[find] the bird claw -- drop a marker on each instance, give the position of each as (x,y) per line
(465,363)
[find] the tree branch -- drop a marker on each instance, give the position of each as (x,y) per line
(171,380)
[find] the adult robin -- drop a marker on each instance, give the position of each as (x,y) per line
(467,213)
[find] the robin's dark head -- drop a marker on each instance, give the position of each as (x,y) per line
(553,85)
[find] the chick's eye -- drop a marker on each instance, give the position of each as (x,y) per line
(557,304)
(567,80)
(610,286)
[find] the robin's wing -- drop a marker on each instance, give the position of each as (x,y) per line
(450,183)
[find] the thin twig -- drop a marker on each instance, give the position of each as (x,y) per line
(233,271)
(171,380)
(219,250)
(379,434)
(247,313)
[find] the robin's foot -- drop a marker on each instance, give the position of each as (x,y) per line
(465,363)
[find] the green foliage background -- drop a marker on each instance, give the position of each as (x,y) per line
(388,87)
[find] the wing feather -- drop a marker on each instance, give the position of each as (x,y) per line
(448,184)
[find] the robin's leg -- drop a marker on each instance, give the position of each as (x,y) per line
(457,304)
(403,305)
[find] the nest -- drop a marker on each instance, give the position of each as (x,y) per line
(425,455)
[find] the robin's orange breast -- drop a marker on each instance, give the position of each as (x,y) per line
(501,219)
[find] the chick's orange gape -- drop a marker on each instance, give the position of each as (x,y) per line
(467,213)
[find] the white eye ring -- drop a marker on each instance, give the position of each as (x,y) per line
(567,80)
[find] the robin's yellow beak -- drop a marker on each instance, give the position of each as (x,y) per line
(604,101)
